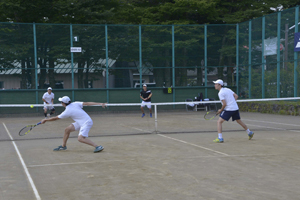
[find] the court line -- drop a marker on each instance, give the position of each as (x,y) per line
(255,155)
(136,128)
(274,128)
(36,193)
(75,163)
(193,145)
(270,122)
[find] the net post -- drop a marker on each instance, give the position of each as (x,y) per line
(155,116)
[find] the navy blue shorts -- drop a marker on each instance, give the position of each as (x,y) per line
(227,114)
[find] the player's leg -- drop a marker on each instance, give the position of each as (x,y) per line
(83,136)
(52,111)
(219,127)
(45,111)
(142,109)
(239,121)
(68,130)
(85,140)
(224,116)
(149,107)
(237,117)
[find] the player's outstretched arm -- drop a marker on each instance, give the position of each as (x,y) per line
(50,119)
(94,104)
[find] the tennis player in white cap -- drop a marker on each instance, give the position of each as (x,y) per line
(229,109)
(48,99)
(83,122)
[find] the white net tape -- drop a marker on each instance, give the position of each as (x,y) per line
(159,104)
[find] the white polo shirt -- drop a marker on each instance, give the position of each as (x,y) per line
(75,111)
(227,95)
(48,97)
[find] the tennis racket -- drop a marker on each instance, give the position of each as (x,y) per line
(27,129)
(210,115)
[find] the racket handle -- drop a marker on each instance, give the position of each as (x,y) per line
(39,123)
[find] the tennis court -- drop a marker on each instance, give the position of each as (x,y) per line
(178,162)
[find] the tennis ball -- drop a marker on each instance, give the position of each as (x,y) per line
(31,106)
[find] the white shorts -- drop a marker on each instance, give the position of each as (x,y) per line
(148,104)
(48,106)
(84,129)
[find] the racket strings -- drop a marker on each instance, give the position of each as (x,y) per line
(210,115)
(26,130)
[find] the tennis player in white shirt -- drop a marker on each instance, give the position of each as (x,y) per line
(229,109)
(48,99)
(83,122)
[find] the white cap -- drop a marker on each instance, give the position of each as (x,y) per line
(64,99)
(219,81)
(144,85)
(49,88)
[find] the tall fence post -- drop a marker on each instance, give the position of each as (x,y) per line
(296,53)
(237,59)
(140,57)
(278,53)
(107,68)
(205,58)
(72,61)
(35,65)
(173,63)
(263,57)
(249,59)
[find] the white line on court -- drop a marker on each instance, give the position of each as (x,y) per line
(270,122)
(36,193)
(256,155)
(75,163)
(136,128)
(193,144)
(275,128)
(185,142)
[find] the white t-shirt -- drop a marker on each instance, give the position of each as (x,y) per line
(48,97)
(75,111)
(227,95)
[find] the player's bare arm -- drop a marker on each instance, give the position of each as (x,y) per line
(223,107)
(45,101)
(142,98)
(235,96)
(94,104)
(50,119)
(149,96)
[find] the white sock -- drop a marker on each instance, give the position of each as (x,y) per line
(248,131)
(220,135)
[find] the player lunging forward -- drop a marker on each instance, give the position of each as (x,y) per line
(83,122)
(229,109)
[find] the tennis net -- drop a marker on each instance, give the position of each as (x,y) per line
(167,118)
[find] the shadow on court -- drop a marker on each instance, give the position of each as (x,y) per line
(178,162)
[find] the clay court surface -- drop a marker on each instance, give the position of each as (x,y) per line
(179,162)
